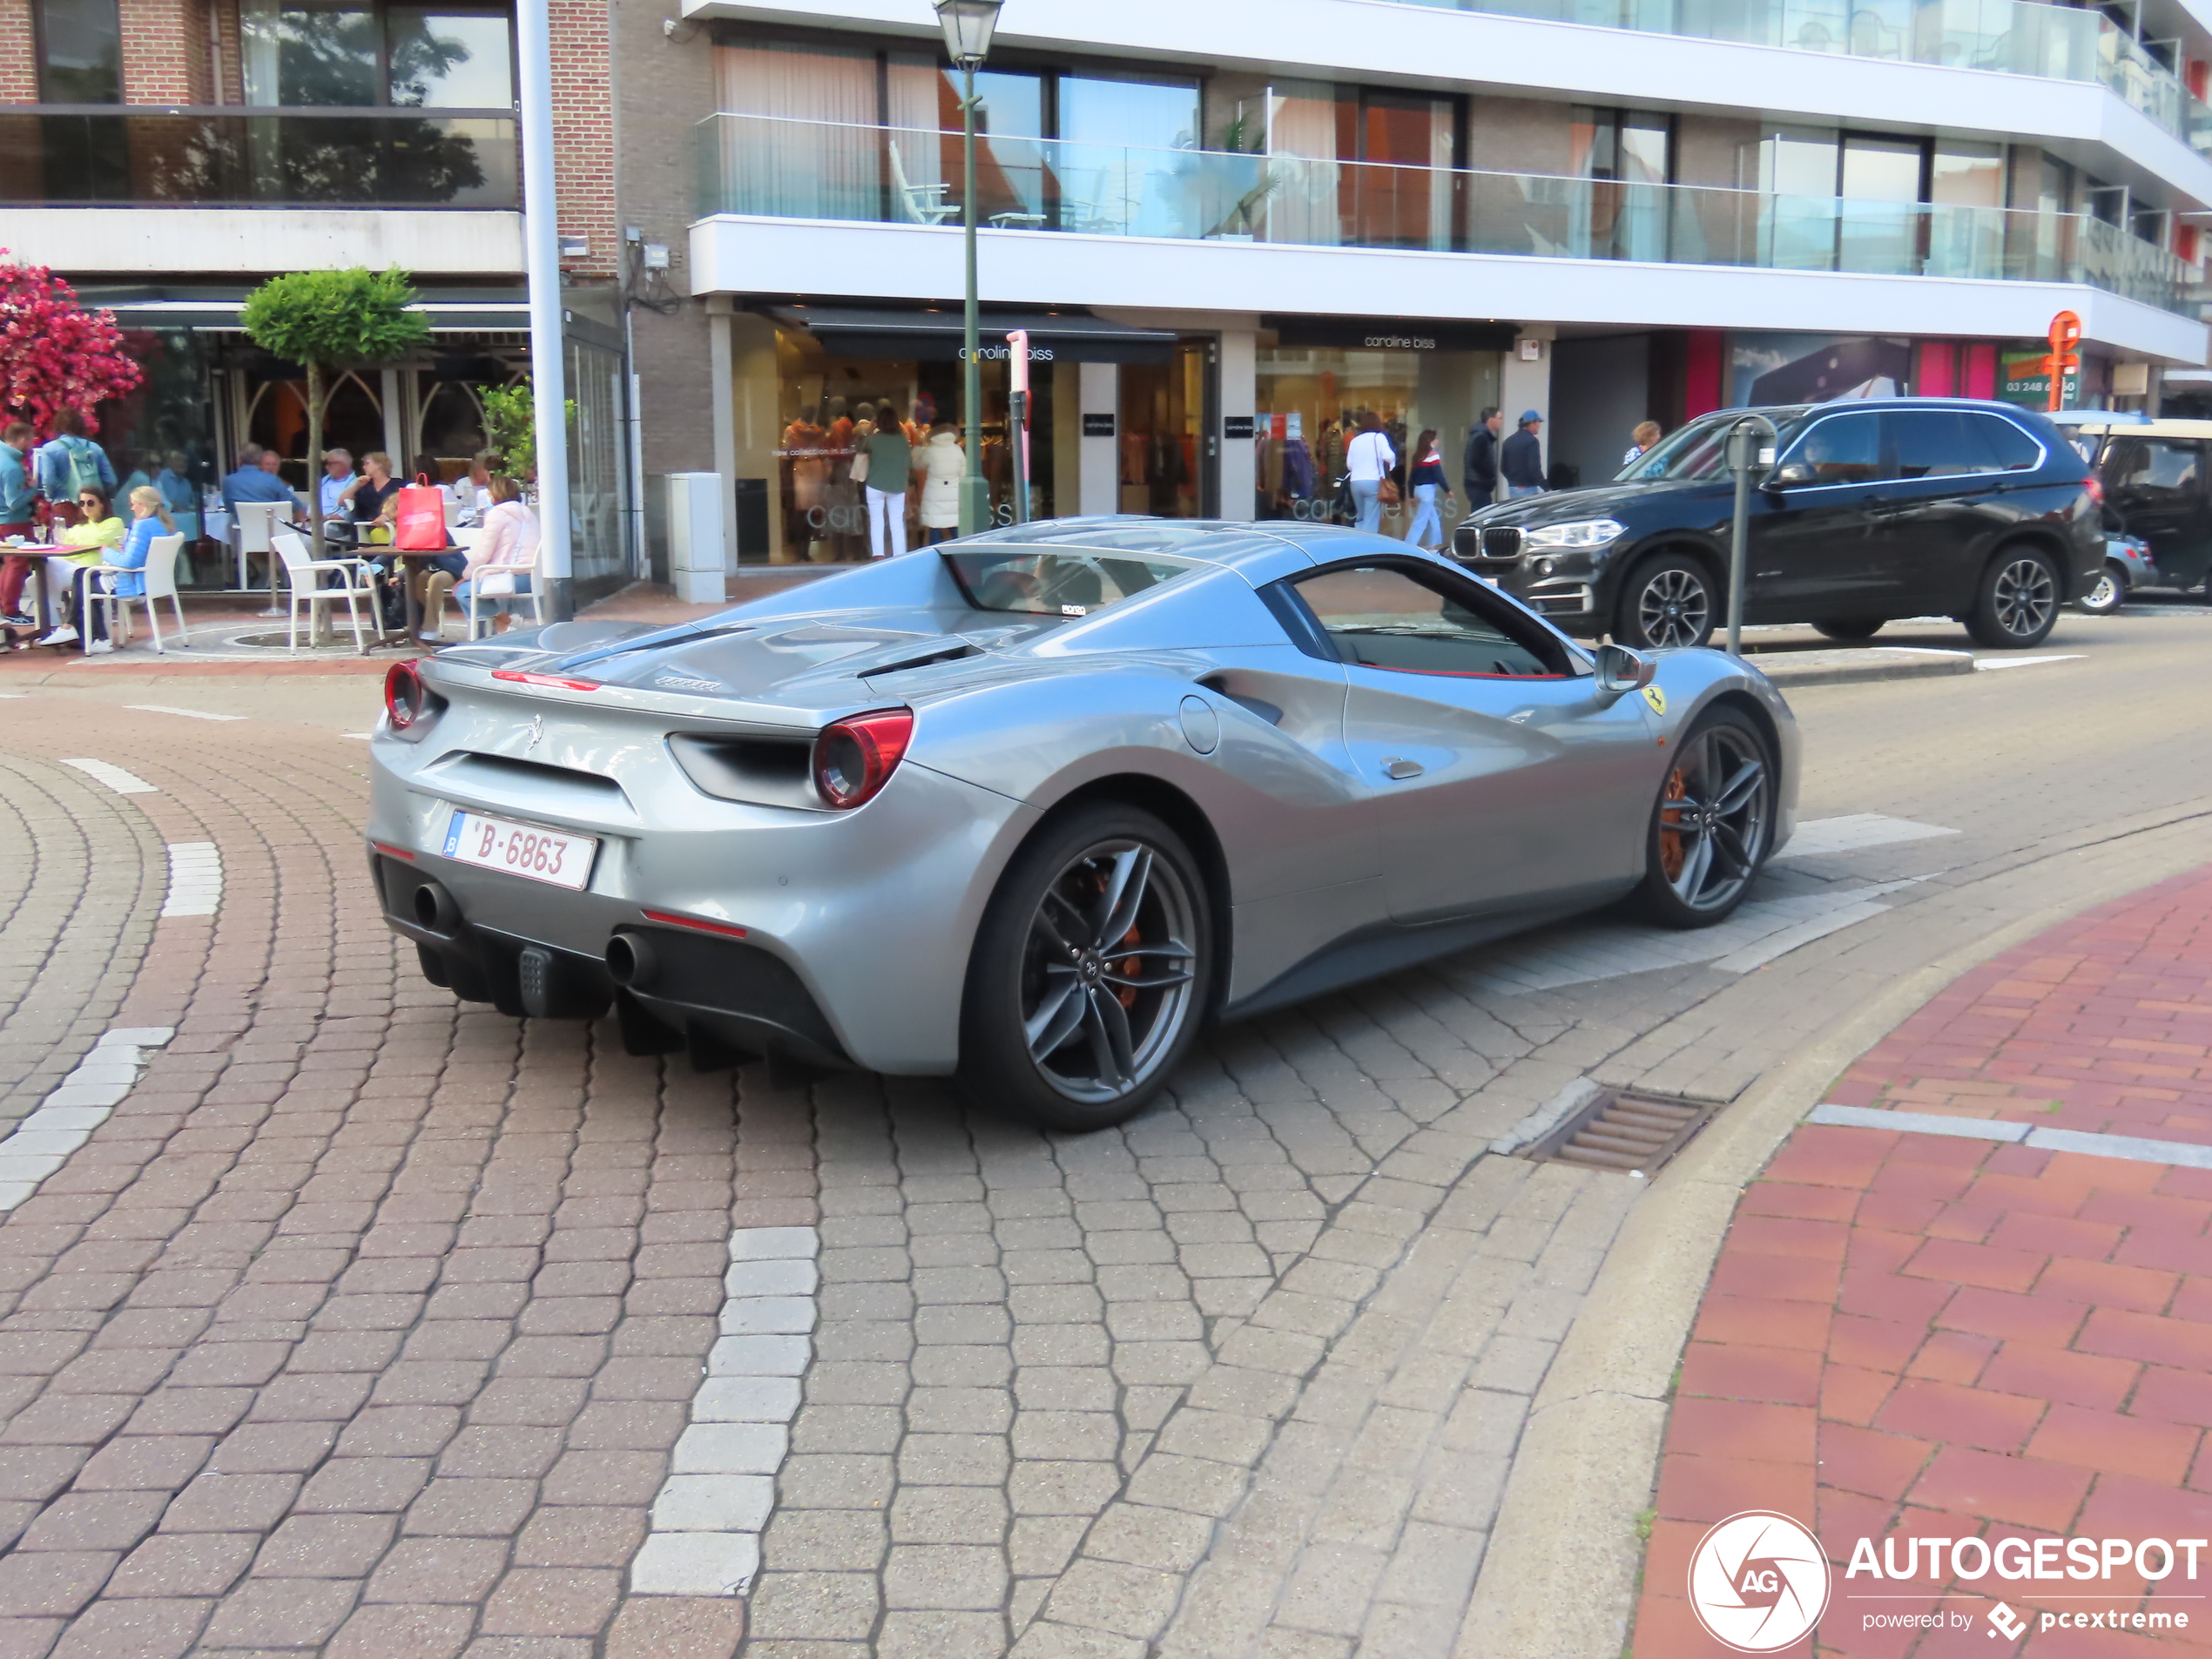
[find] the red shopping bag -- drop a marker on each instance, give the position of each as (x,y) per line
(418,520)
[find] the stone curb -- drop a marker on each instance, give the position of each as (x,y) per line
(1788,668)
(1560,1578)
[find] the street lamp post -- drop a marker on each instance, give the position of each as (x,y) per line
(542,261)
(967,25)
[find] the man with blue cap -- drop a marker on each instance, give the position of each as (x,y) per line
(1521,458)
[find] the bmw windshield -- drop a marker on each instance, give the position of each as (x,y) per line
(1698,450)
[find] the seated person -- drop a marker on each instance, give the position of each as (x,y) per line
(98,532)
(511,538)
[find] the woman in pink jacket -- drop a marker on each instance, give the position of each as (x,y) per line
(510,538)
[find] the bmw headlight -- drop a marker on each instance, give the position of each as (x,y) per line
(1582,533)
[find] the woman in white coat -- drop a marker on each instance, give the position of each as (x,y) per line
(943,465)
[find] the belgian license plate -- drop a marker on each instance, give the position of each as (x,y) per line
(521,849)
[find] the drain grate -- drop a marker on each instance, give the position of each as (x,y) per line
(1623,1131)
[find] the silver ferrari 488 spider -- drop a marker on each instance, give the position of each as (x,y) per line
(1028,808)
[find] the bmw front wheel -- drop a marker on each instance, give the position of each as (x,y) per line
(1712,824)
(1667,603)
(1090,972)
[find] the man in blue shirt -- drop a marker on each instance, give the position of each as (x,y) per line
(337,474)
(252,482)
(70,461)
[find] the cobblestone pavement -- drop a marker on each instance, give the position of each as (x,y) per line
(1975,1304)
(371,1324)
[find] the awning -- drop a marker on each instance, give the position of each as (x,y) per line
(494,310)
(936,336)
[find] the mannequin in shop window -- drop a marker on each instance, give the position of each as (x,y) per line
(807,470)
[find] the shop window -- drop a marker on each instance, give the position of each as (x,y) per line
(1162,413)
(367,55)
(80,51)
(1310,399)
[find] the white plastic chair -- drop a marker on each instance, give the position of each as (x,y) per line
(257,522)
(160,573)
(301,575)
(504,588)
(923,204)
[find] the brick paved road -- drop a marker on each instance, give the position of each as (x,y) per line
(369,1323)
(1923,1335)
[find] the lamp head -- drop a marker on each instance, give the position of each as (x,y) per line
(967,25)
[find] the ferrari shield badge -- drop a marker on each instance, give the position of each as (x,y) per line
(1657,697)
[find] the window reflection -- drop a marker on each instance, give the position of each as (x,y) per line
(363,57)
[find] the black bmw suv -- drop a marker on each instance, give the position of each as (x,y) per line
(1873,510)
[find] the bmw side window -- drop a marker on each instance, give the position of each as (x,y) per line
(1939,443)
(1389,618)
(1842,449)
(2011,449)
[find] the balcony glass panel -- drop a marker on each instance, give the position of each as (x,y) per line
(758,164)
(268,159)
(2019,36)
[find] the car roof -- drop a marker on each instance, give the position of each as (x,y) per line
(2147,428)
(1794,411)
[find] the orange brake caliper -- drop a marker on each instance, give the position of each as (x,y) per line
(1670,853)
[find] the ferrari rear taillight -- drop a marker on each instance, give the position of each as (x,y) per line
(404,697)
(855,757)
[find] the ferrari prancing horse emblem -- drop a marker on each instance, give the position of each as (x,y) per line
(1657,697)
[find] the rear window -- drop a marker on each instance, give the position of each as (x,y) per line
(1062,583)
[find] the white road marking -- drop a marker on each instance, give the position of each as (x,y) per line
(363,736)
(708,1517)
(65,1119)
(190,714)
(195,878)
(1762,930)
(1987,664)
(1820,836)
(124,783)
(2134,1148)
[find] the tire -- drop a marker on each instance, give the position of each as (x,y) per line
(1851,632)
(1114,1027)
(1669,601)
(2107,594)
(2017,603)
(1694,877)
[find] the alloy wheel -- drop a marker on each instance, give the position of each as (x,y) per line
(1713,817)
(2024,597)
(1673,609)
(2105,596)
(1108,971)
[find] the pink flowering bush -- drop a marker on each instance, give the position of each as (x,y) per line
(54,353)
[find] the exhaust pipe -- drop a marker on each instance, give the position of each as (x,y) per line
(630,960)
(436,910)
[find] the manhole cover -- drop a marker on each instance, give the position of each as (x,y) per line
(1618,1130)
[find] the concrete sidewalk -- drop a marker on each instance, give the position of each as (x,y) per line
(1929,1331)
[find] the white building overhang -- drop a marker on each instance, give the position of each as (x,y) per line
(733,254)
(161,241)
(1448,50)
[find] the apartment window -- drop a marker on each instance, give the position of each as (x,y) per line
(1966,174)
(1881,170)
(362,56)
(1627,146)
(80,51)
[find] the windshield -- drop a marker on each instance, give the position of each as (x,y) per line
(1064,582)
(1698,450)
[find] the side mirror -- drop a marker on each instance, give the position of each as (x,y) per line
(1792,475)
(1620,670)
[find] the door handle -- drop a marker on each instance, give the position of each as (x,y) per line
(1398,768)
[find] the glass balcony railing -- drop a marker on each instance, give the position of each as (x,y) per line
(102,155)
(2014,36)
(761,165)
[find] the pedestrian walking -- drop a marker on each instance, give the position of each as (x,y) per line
(890,465)
(69,463)
(1479,469)
(1647,434)
(1428,479)
(1368,462)
(1520,458)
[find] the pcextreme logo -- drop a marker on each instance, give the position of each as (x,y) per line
(1758,1581)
